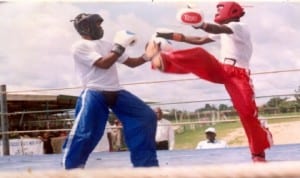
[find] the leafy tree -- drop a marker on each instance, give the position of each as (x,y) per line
(209,107)
(223,107)
(275,102)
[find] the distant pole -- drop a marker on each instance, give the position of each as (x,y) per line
(4,121)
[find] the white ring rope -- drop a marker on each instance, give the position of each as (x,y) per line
(160,103)
(36,112)
(144,82)
(268,170)
(173,124)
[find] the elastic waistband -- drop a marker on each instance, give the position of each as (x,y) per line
(230,61)
(234,65)
(101,90)
(233,62)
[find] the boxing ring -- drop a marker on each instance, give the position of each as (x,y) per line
(283,161)
(232,162)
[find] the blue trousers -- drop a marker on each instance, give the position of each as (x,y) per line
(139,125)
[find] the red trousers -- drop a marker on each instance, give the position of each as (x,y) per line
(236,81)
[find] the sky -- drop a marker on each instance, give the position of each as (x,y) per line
(36,38)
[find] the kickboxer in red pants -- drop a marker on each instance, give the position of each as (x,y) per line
(232,69)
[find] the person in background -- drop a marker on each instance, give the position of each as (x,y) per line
(46,138)
(211,141)
(105,144)
(117,135)
(165,138)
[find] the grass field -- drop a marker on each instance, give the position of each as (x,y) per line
(189,138)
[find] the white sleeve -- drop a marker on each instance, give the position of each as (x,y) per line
(234,27)
(85,54)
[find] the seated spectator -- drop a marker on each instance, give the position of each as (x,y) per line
(211,141)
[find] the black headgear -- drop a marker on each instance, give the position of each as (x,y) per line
(87,24)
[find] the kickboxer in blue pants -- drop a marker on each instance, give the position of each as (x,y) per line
(95,62)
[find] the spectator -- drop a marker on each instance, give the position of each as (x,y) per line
(105,144)
(164,132)
(116,135)
(211,141)
(46,138)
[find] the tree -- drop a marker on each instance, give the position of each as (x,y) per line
(223,107)
(275,102)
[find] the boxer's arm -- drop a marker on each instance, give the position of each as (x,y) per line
(194,17)
(214,28)
(197,40)
(187,39)
(134,62)
(122,39)
(107,61)
(111,58)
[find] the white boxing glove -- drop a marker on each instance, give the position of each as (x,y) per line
(123,39)
(157,44)
(190,16)
(165,45)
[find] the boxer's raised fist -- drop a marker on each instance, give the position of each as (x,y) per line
(190,16)
(123,39)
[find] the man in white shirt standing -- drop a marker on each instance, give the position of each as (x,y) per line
(165,139)
(105,144)
(95,62)
(211,141)
(231,69)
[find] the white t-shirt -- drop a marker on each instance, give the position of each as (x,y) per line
(165,131)
(237,45)
(209,145)
(86,53)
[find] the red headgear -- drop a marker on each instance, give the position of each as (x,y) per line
(228,10)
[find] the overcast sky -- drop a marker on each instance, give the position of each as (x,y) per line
(36,38)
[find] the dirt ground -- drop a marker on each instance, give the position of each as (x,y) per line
(283,133)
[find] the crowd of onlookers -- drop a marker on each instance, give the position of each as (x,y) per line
(37,132)
(113,137)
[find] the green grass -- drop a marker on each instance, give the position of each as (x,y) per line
(189,138)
